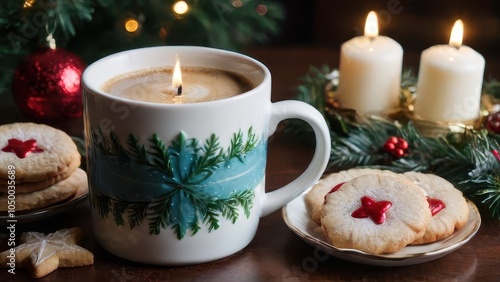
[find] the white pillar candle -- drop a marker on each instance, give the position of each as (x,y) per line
(449,81)
(370,71)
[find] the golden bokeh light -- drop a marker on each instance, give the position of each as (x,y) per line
(28,3)
(237,3)
(131,25)
(180,7)
(261,9)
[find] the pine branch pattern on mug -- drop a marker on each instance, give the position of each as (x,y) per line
(191,192)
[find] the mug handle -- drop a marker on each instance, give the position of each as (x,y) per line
(296,109)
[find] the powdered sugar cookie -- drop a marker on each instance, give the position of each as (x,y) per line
(58,192)
(448,206)
(36,151)
(375,213)
(316,196)
(28,187)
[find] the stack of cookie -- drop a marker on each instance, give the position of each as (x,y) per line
(380,212)
(39,167)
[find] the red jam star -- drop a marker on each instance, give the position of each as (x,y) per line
(373,209)
(22,148)
(436,205)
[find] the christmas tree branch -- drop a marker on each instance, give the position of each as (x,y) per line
(81,25)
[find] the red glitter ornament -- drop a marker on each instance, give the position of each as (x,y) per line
(373,209)
(22,148)
(396,146)
(46,85)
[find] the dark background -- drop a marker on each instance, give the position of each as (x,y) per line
(415,24)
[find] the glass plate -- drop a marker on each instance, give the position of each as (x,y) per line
(43,213)
(297,218)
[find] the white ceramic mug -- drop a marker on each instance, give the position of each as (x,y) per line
(176,184)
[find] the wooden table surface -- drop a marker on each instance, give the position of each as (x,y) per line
(276,253)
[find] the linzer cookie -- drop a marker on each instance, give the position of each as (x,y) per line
(449,209)
(316,196)
(38,152)
(28,187)
(40,165)
(375,213)
(74,185)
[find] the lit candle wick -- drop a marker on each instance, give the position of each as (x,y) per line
(456,35)
(371,26)
(177,77)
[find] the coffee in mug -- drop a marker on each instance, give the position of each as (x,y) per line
(198,85)
(184,183)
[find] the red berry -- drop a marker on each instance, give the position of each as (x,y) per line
(389,147)
(493,123)
(496,154)
(402,144)
(392,139)
(398,153)
(396,146)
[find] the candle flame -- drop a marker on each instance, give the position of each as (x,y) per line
(457,34)
(177,77)
(371,25)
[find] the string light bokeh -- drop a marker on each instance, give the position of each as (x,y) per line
(131,25)
(180,7)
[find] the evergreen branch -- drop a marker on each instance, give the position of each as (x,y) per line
(68,14)
(313,87)
(229,209)
(492,195)
(362,146)
(492,87)
(137,151)
(236,146)
(160,215)
(159,151)
(119,207)
(109,144)
(251,140)
(101,203)
(116,147)
(245,200)
(211,157)
(194,227)
(211,216)
(137,212)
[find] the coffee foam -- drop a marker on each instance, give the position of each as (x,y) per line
(199,85)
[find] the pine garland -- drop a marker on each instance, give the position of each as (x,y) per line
(470,160)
